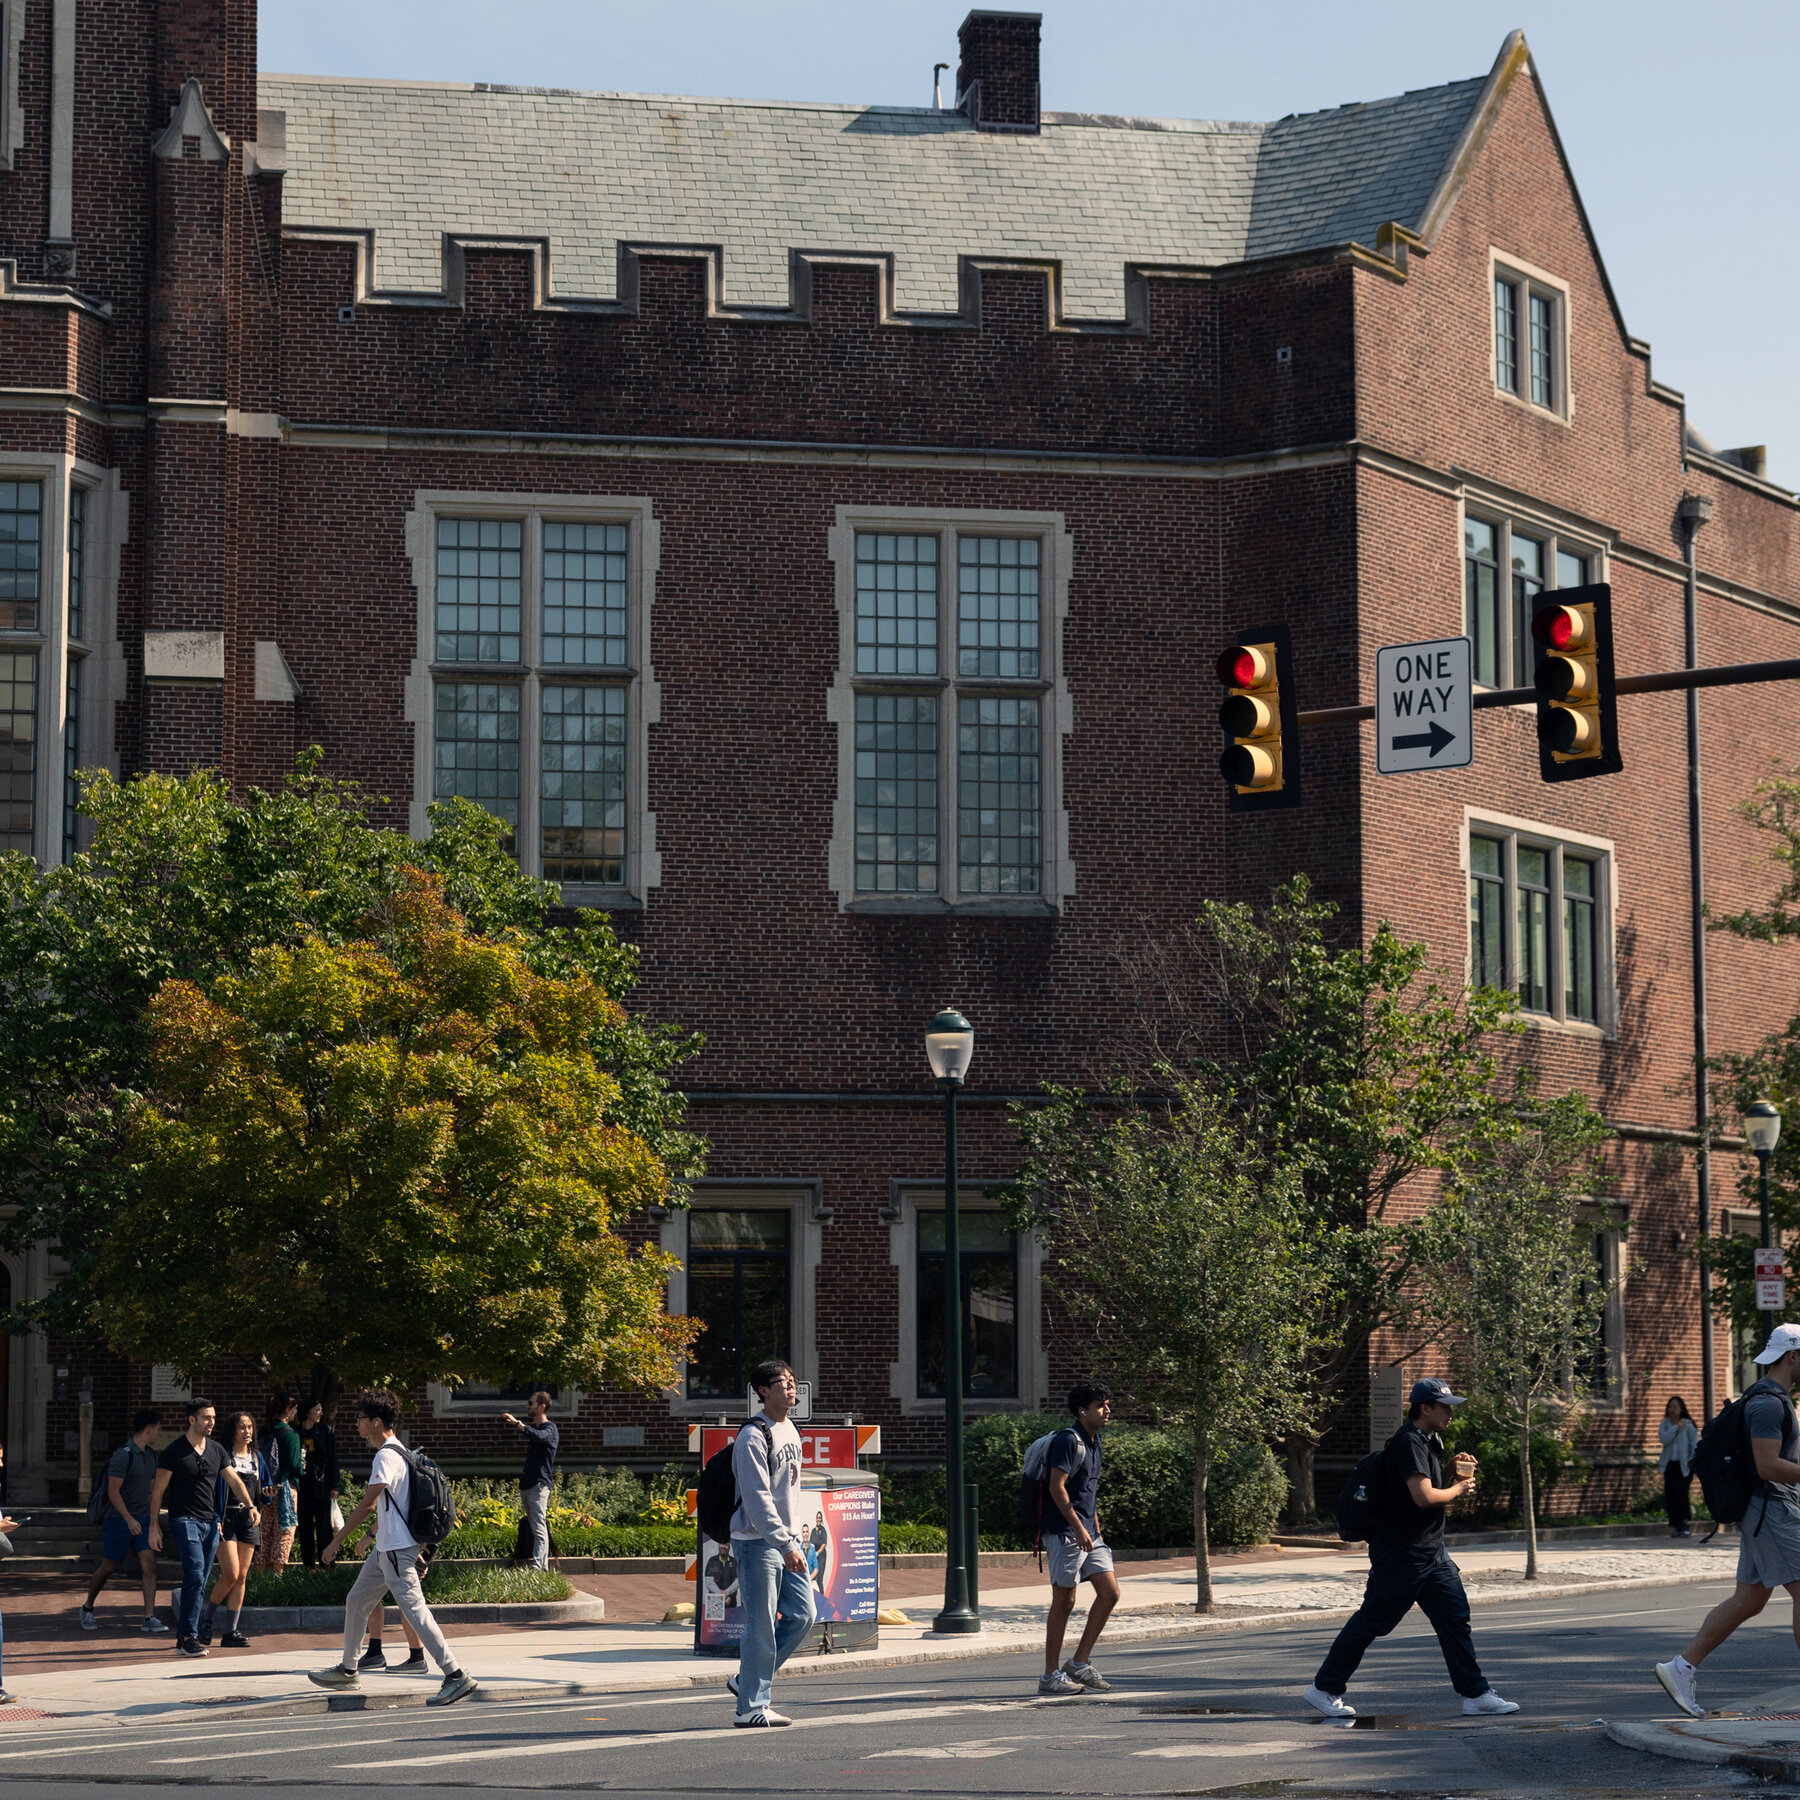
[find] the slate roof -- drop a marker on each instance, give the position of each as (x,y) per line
(413,160)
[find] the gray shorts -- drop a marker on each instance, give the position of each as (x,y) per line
(1070,1565)
(1769,1545)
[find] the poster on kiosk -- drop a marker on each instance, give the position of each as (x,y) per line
(840,1526)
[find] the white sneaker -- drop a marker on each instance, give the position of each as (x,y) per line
(767,1716)
(1333,1706)
(1488,1705)
(1059,1683)
(88,1621)
(1680,1681)
(1087,1676)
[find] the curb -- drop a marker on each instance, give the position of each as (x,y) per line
(1658,1739)
(582,1609)
(1122,1630)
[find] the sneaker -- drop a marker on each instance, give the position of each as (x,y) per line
(456,1685)
(1058,1683)
(189,1647)
(234,1640)
(767,1716)
(1488,1706)
(731,1686)
(1087,1676)
(415,1661)
(88,1621)
(1333,1706)
(1680,1681)
(7,1699)
(372,1658)
(337,1676)
(1685,1531)
(153,1626)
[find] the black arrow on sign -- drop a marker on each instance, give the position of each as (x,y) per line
(1434,739)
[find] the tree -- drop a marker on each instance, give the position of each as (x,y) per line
(1344,1062)
(185,881)
(389,1160)
(1183,1251)
(1521,1284)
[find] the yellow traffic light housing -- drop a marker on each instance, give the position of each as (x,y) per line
(1572,670)
(1261,760)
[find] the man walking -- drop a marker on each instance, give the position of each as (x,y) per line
(768,1547)
(541,1439)
(1072,1542)
(1408,1564)
(1769,1536)
(125,1527)
(392,1565)
(321,1482)
(188,1473)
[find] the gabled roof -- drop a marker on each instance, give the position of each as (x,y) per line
(411,162)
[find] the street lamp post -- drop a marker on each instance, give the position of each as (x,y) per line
(1762,1130)
(949,1044)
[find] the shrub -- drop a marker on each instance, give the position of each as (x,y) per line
(1555,1461)
(443,1587)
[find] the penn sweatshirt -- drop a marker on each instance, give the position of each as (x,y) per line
(768,1492)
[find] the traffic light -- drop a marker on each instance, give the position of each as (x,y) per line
(1262,735)
(1572,670)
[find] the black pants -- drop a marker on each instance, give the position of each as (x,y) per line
(315,1520)
(1397,1583)
(1676,1485)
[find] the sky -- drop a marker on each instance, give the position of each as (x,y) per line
(1682,122)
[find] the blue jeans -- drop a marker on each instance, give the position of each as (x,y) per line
(766,1587)
(1398,1583)
(196,1543)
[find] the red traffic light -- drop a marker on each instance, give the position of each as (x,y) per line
(1562,628)
(1244,666)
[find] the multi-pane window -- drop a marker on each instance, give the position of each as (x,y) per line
(896,603)
(737,1287)
(1535,922)
(77,562)
(18,747)
(1528,327)
(896,793)
(989,1310)
(1499,629)
(21,553)
(71,762)
(583,797)
(977,730)
(537,610)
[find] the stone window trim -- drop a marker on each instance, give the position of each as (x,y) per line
(907,1199)
(1507,516)
(802,1199)
(1056,552)
(1527,281)
(1480,822)
(106,515)
(12,120)
(448,1403)
(643,861)
(1611,1220)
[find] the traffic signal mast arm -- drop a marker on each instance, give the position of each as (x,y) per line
(1725,675)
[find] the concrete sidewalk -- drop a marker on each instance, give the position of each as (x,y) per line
(1761,1734)
(582,1659)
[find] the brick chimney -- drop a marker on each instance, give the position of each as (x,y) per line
(997,79)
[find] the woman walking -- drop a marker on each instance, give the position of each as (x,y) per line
(283,1466)
(1679,1441)
(239,1535)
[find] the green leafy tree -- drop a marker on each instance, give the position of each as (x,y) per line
(185,881)
(389,1160)
(1521,1286)
(1345,1062)
(1183,1252)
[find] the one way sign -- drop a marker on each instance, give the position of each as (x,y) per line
(1423,715)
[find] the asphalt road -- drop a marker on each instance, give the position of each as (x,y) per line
(1186,1715)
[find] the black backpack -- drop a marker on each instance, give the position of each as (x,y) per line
(718,1496)
(1726,1465)
(430,1510)
(1364,1498)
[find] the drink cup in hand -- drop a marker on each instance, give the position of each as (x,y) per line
(1464,1464)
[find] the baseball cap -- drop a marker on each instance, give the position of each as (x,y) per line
(1781,1340)
(1432,1392)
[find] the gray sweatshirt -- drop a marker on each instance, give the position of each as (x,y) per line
(768,1497)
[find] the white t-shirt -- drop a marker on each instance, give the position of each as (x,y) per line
(391,1471)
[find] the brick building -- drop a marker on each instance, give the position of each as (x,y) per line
(812,527)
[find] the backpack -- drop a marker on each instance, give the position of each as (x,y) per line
(1034,1480)
(718,1496)
(1726,1465)
(430,1510)
(268,1463)
(1364,1497)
